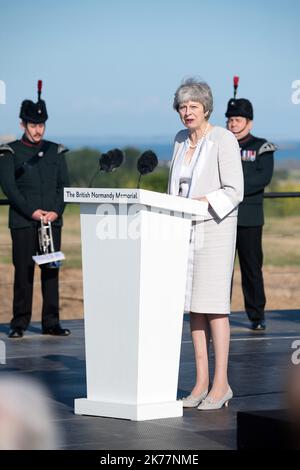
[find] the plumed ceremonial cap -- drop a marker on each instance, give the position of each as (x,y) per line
(34,112)
(239,107)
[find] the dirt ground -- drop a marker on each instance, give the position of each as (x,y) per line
(281,283)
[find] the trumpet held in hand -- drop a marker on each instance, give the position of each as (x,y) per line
(47,255)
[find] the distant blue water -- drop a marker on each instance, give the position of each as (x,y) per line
(286,151)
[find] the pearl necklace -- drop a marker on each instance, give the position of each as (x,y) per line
(203,134)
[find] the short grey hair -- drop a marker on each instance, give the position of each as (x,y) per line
(194,90)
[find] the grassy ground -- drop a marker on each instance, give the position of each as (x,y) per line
(281,239)
(281,268)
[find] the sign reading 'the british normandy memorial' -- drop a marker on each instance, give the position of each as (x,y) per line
(100,195)
(121,196)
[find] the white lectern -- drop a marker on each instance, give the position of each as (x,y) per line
(134,258)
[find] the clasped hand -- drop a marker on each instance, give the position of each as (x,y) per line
(47,216)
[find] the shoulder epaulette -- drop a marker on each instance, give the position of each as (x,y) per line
(5,149)
(61,149)
(267,147)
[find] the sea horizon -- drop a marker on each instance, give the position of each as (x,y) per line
(162,146)
(288,150)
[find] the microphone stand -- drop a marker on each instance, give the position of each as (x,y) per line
(139,181)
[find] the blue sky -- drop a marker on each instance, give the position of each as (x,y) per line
(111,67)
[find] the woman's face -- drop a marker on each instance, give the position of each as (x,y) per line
(192,114)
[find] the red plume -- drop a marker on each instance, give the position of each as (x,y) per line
(235,85)
(39,87)
(236,81)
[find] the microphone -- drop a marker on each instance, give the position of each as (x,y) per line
(109,162)
(147,162)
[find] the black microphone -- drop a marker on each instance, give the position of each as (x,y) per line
(109,161)
(147,162)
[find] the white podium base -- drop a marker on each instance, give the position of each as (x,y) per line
(133,412)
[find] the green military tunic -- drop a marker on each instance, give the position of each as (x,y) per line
(258,164)
(33,177)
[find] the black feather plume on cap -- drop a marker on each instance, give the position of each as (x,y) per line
(33,112)
(239,107)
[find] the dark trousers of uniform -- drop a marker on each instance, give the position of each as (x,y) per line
(249,249)
(24,246)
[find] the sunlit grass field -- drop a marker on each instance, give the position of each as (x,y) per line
(281,239)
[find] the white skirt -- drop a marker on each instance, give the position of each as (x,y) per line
(210,266)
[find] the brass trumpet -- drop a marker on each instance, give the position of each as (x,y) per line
(46,244)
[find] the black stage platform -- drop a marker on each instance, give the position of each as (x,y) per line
(258,366)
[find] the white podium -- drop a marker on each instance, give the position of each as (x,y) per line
(134,258)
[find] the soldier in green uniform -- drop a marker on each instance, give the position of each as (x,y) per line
(33,173)
(257,156)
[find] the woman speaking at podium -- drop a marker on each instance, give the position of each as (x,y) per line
(206,165)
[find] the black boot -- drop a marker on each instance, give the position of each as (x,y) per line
(56,330)
(16,333)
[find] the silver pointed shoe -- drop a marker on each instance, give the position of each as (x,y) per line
(192,401)
(210,404)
